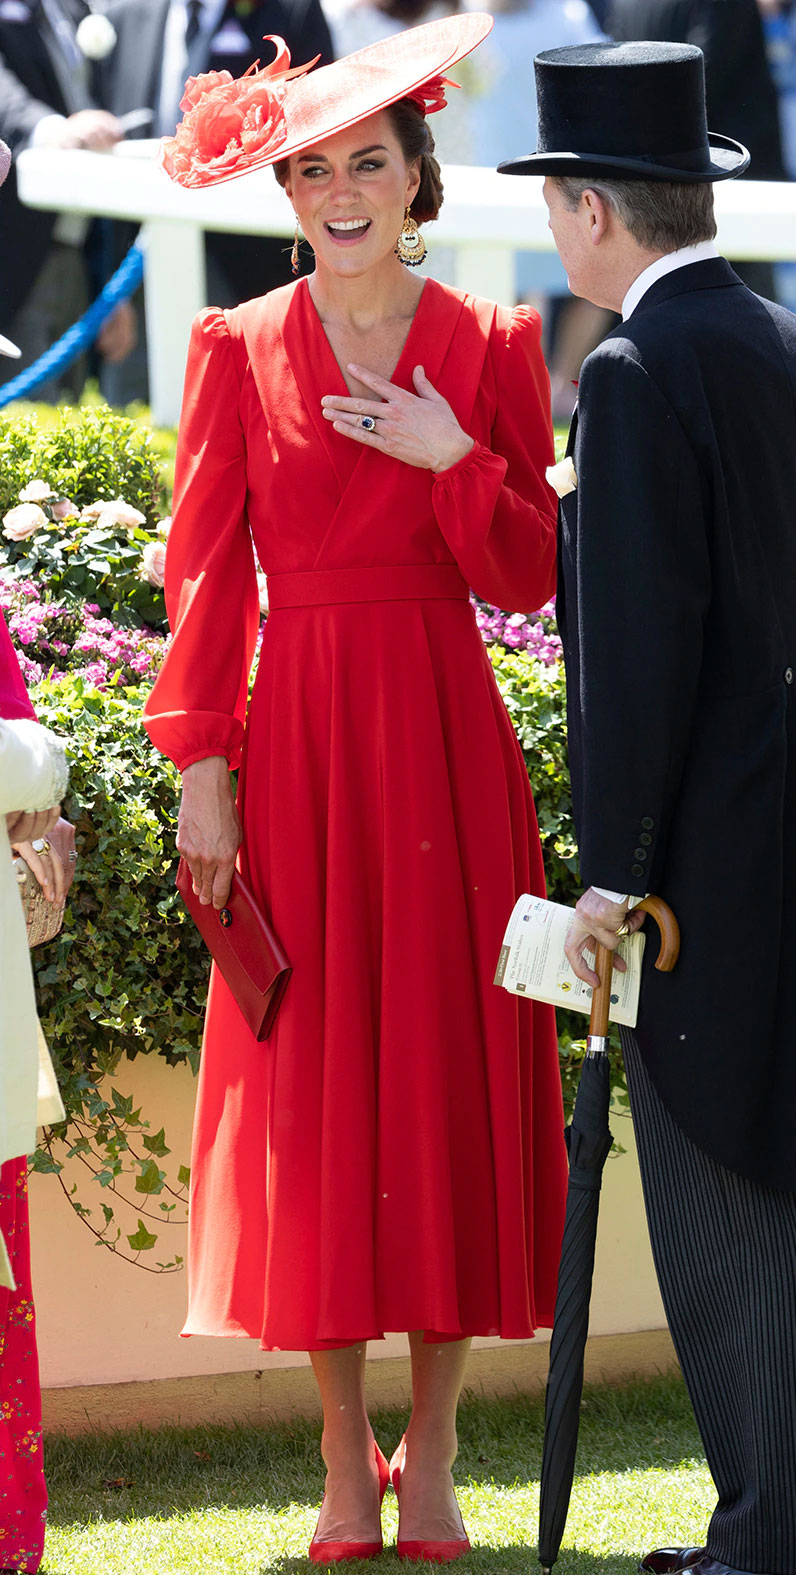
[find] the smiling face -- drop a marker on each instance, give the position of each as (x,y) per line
(350,194)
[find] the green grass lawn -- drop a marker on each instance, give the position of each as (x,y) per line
(177,1502)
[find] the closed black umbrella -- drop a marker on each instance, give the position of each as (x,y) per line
(589,1142)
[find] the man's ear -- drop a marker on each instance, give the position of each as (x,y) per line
(596,214)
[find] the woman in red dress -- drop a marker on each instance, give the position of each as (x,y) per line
(392,1159)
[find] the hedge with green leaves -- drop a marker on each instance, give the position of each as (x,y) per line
(88,454)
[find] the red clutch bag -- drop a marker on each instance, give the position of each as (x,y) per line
(245,949)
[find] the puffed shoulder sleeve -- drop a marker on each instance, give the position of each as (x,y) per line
(198,704)
(494,507)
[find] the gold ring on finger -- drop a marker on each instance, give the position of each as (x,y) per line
(624,929)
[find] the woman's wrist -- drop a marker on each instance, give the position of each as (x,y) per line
(201,773)
(455,454)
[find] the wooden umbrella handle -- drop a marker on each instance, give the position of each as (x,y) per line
(604,961)
(669,930)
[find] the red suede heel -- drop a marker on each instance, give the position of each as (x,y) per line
(335,1552)
(434,1552)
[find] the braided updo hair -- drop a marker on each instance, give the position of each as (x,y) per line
(417,142)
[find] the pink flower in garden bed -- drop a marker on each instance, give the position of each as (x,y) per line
(535,634)
(153,563)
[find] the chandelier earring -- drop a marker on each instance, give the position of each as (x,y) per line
(295,262)
(410,246)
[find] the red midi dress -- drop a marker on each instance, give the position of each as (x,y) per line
(393,1158)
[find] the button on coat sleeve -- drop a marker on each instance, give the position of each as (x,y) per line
(198,705)
(494,507)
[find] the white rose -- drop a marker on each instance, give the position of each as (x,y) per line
(35,492)
(163,527)
(262,591)
(113,511)
(96,36)
(153,563)
(22,521)
(562,477)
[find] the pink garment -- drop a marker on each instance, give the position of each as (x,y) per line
(14,699)
(23,1494)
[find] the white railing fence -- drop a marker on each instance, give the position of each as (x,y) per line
(485,219)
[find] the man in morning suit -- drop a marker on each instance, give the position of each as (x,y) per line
(159,44)
(45,101)
(677,608)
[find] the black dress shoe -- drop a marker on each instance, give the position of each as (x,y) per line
(715,1567)
(668,1561)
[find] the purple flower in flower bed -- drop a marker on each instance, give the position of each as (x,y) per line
(32,672)
(535,633)
(63,637)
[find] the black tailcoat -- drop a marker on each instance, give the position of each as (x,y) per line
(677,608)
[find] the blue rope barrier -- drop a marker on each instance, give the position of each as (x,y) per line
(123,283)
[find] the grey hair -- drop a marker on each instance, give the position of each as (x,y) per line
(660,215)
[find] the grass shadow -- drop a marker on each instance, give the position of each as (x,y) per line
(171,1471)
(519,1559)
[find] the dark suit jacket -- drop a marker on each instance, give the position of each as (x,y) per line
(130,79)
(677,606)
(741,96)
(29,90)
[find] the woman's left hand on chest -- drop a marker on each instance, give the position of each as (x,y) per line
(419,429)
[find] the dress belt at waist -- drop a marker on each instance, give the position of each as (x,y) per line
(401,582)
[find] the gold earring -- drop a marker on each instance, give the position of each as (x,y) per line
(294,255)
(410,246)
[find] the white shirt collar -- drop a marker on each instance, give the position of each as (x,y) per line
(660,268)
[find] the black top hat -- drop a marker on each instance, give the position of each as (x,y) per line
(628,111)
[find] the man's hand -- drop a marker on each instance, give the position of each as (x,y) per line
(118,334)
(597,920)
(91,128)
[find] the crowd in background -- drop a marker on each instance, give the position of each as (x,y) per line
(74,76)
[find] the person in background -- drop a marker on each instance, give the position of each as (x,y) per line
(159,45)
(739,88)
(779,31)
(505,96)
(46,101)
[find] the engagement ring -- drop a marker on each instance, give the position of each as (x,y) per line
(368,422)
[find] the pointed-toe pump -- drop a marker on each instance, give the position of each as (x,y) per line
(335,1552)
(434,1552)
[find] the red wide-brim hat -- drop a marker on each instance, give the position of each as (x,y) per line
(233,125)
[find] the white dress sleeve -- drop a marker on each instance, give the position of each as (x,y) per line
(33,769)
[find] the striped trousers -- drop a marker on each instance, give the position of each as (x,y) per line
(725,1254)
